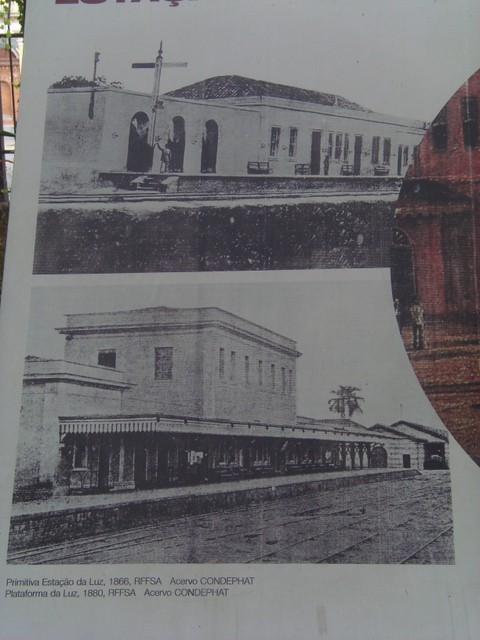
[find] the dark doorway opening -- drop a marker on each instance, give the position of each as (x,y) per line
(435,456)
(407,463)
(315,154)
(103,466)
(399,160)
(209,147)
(176,144)
(140,153)
(357,156)
(140,470)
(378,458)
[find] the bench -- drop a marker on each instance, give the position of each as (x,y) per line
(346,169)
(381,170)
(259,168)
(302,169)
(227,473)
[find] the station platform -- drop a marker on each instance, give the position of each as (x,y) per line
(69,517)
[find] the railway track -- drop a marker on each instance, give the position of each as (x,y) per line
(155,196)
(331,527)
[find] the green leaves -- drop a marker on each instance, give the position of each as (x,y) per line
(11,14)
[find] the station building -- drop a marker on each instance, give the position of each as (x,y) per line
(225,125)
(432,443)
(161,396)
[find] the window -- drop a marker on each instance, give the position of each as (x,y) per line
(247,369)
(338,146)
(405,155)
(272,376)
(440,131)
(375,149)
(221,364)
(290,381)
(470,121)
(260,373)
(233,365)
(330,145)
(274,141)
(163,363)
(107,358)
(292,145)
(387,150)
(284,381)
(346,147)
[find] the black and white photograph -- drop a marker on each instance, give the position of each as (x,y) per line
(165,157)
(212,426)
(239,320)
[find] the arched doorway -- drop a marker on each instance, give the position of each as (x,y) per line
(9,79)
(402,272)
(176,144)
(209,147)
(140,153)
(378,457)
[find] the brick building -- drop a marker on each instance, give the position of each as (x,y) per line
(438,221)
(161,395)
(436,257)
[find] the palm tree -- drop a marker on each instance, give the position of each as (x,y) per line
(346,400)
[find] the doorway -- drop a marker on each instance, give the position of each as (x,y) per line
(140,153)
(140,468)
(315,155)
(176,144)
(357,156)
(378,458)
(399,160)
(209,147)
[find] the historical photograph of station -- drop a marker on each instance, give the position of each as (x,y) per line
(219,424)
(227,173)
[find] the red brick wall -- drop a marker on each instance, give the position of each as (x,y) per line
(456,161)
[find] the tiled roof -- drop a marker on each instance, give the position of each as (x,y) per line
(220,87)
(432,431)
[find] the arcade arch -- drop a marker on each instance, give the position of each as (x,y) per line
(140,153)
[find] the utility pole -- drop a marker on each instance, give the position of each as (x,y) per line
(91,108)
(157,104)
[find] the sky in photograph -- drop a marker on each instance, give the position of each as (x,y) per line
(402,58)
(342,320)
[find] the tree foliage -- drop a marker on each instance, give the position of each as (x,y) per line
(11,13)
(346,400)
(69,82)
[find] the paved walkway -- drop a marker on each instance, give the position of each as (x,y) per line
(65,503)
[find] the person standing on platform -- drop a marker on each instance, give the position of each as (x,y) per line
(418,324)
(326,164)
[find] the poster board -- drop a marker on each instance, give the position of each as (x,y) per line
(396,64)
